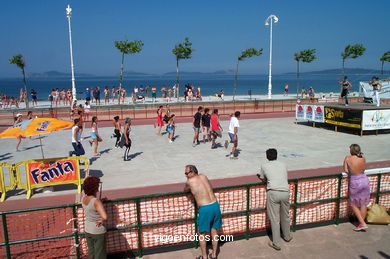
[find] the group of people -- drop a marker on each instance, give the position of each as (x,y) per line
(56,97)
(209,219)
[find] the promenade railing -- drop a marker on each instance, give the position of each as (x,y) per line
(137,224)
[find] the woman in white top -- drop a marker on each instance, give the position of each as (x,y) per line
(95,137)
(95,218)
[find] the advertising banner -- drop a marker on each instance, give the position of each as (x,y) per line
(376,119)
(53,172)
(319,113)
(300,112)
(343,117)
(309,115)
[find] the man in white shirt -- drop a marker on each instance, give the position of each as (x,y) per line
(233,130)
(76,139)
(278,197)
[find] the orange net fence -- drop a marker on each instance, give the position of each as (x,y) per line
(139,223)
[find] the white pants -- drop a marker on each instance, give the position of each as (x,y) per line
(377,99)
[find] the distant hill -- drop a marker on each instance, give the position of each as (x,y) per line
(134,73)
(187,73)
(55,74)
(348,71)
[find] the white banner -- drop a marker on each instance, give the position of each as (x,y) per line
(309,114)
(319,115)
(300,112)
(376,119)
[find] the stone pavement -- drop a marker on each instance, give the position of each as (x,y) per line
(333,241)
(155,161)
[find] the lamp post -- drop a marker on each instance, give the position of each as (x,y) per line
(69,15)
(269,21)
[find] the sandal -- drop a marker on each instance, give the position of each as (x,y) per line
(98,154)
(199,257)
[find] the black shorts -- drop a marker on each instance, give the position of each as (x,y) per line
(344,92)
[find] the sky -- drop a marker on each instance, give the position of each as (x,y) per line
(218,29)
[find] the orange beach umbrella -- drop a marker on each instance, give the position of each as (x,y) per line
(35,126)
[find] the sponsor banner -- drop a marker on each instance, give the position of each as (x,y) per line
(300,112)
(318,111)
(376,119)
(343,117)
(53,172)
(309,115)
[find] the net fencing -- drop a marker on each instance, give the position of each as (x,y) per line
(146,222)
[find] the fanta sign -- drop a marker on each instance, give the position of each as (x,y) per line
(43,126)
(52,172)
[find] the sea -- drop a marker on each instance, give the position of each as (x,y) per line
(209,84)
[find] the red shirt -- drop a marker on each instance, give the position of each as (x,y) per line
(214,122)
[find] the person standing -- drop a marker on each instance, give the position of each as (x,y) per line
(18,119)
(87,95)
(171,128)
(346,85)
(233,130)
(285,89)
(376,87)
(95,218)
(196,125)
(95,137)
(160,122)
(210,217)
(34,97)
(154,93)
(278,197)
(206,125)
(113,93)
(359,185)
(117,130)
(216,128)
(76,139)
(127,140)
(87,110)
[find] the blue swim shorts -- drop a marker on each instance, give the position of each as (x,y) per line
(93,135)
(209,217)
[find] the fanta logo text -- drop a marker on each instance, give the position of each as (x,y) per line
(43,126)
(47,174)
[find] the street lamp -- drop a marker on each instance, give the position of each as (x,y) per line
(68,15)
(269,21)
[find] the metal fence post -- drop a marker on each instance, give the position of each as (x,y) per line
(76,232)
(5,232)
(196,242)
(294,227)
(340,179)
(139,226)
(247,234)
(378,190)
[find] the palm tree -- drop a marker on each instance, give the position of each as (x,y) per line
(181,51)
(306,56)
(248,53)
(127,47)
(352,51)
(385,58)
(18,60)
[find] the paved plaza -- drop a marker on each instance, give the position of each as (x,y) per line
(155,161)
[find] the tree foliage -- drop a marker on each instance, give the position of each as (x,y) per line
(306,56)
(248,53)
(353,51)
(129,47)
(183,50)
(18,60)
(385,58)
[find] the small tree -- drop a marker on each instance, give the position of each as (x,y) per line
(306,56)
(18,60)
(181,51)
(127,47)
(385,58)
(352,51)
(248,53)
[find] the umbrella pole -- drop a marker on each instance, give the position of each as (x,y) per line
(40,141)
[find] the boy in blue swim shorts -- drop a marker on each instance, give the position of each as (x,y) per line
(210,218)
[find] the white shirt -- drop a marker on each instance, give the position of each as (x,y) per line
(78,134)
(233,124)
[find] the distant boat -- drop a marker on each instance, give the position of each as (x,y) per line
(365,90)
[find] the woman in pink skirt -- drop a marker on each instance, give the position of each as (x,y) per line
(359,185)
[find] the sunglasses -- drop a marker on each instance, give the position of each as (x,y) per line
(187,173)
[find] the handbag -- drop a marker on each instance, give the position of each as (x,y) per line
(377,214)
